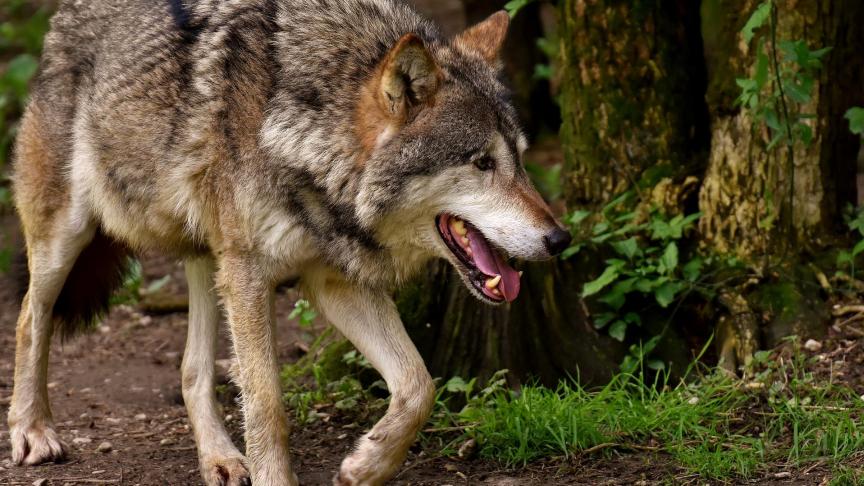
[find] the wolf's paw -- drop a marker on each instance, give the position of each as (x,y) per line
(356,473)
(35,444)
(225,471)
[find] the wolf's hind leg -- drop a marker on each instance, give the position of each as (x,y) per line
(50,259)
(370,321)
(221,463)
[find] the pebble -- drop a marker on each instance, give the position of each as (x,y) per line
(813,345)
(141,416)
(166,441)
(40,482)
(783,474)
(82,440)
(693,400)
(105,447)
(229,417)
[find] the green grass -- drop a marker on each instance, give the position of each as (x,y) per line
(716,426)
(784,416)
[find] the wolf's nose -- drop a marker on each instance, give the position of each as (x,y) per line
(557,241)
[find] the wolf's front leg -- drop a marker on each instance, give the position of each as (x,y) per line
(248,298)
(370,321)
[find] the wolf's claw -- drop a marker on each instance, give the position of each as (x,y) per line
(36,444)
(225,471)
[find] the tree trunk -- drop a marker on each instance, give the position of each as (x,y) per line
(755,203)
(625,107)
(632,94)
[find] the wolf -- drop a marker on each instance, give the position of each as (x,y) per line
(339,143)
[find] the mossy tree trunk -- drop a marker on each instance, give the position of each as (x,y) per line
(756,204)
(626,107)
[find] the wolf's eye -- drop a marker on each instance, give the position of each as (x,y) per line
(485,163)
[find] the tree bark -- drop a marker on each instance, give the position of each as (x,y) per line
(632,94)
(746,185)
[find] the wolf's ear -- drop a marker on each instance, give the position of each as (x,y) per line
(487,37)
(409,76)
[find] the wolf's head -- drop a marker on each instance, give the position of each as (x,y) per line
(443,160)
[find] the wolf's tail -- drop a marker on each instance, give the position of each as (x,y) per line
(99,270)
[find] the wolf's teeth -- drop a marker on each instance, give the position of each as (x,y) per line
(466,241)
(469,252)
(520,273)
(493,282)
(459,227)
(496,292)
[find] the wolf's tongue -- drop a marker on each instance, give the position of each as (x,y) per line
(491,263)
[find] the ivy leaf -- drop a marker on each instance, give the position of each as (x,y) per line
(760,15)
(569,252)
(858,248)
(629,248)
(692,269)
(665,294)
(616,297)
(856,120)
(761,75)
(608,276)
(603,319)
(514,6)
(618,330)
(669,260)
(577,217)
(798,93)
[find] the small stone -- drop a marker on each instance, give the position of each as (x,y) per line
(229,417)
(813,345)
(467,449)
(693,400)
(783,474)
(40,482)
(82,440)
(166,442)
(141,417)
(105,447)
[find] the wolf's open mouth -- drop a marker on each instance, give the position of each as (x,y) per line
(487,270)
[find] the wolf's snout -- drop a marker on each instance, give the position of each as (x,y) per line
(557,241)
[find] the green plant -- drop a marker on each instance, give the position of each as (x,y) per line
(713,425)
(855,222)
(646,262)
(855,115)
(130,292)
(304,313)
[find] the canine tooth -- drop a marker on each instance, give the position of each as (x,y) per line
(520,273)
(459,227)
(493,282)
(469,252)
(496,292)
(466,241)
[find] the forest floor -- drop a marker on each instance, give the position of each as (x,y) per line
(121,385)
